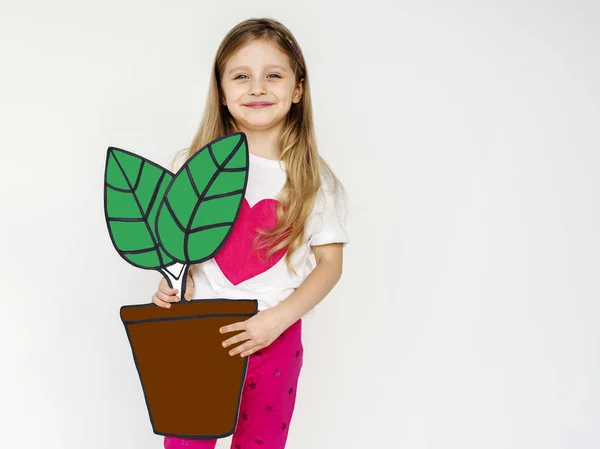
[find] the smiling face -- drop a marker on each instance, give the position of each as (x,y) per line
(259,72)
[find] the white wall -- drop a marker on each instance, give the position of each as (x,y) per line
(467,137)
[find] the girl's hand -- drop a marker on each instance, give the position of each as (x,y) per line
(260,331)
(166,295)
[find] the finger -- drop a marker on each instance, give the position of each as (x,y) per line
(252,351)
(239,326)
(168,291)
(163,284)
(160,303)
(243,347)
(189,288)
(236,338)
(189,292)
(166,298)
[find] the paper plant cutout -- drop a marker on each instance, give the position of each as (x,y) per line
(164,221)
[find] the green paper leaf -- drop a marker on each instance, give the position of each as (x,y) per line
(203,200)
(133,190)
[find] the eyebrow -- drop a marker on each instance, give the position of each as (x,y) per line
(270,66)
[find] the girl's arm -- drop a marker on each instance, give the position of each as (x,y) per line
(262,329)
(316,286)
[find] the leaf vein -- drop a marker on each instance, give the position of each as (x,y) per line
(210,226)
(139,251)
(223,195)
(139,176)
(190,177)
(174,215)
(118,189)
(212,156)
(209,184)
(137,201)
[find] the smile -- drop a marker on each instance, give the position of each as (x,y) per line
(259,105)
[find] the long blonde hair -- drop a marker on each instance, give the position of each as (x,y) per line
(298,145)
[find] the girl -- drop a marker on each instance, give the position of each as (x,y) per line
(285,249)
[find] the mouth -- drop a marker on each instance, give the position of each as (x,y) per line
(258,105)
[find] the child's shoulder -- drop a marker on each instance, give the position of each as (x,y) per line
(330,184)
(178,159)
(327,221)
(331,191)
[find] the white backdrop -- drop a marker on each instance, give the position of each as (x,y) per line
(467,138)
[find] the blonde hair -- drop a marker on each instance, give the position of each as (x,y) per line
(297,142)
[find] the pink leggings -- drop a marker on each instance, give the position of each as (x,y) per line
(268,398)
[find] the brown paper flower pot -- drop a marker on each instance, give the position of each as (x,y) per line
(191,384)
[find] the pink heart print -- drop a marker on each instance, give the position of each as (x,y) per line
(237,259)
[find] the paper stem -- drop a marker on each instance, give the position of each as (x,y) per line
(175,274)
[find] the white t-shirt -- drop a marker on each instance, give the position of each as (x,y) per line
(237,272)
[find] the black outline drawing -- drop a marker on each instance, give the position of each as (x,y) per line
(177,279)
(243,377)
(173,278)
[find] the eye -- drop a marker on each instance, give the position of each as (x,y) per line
(272,74)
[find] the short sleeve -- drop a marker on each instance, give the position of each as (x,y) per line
(327,221)
(178,160)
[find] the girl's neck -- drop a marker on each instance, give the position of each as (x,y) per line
(264,143)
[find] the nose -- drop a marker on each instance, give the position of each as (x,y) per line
(257,86)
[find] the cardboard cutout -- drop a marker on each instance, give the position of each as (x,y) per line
(164,221)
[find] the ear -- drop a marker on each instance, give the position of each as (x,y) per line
(298,92)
